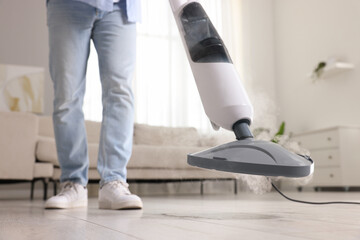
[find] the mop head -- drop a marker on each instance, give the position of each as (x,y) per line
(262,184)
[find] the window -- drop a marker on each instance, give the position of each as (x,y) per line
(164,89)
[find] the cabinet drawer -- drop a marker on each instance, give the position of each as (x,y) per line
(326,139)
(326,157)
(327,177)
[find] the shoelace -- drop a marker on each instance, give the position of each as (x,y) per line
(123,187)
(67,186)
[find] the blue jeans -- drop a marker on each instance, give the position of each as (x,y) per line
(71,26)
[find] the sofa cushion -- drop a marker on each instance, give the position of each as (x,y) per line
(46,151)
(46,129)
(165,136)
(143,156)
(216,138)
(169,157)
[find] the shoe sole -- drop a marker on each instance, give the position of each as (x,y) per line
(120,205)
(77,204)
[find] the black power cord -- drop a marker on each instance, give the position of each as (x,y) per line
(307,202)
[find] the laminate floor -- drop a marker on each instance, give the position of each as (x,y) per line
(242,216)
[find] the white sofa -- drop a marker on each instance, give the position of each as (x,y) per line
(159,153)
(28,152)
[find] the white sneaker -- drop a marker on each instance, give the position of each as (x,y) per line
(72,195)
(116,195)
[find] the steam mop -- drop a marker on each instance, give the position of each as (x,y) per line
(227,105)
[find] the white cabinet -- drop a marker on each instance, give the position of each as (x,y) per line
(336,155)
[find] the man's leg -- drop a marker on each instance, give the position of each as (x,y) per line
(115,42)
(70,25)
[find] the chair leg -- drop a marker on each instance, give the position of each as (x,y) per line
(45,187)
(235,187)
(55,187)
(201,187)
(32,189)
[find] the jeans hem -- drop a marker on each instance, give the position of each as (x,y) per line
(105,181)
(74,181)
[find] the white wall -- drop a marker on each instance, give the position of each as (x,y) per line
(306,32)
(24,39)
(258,59)
(282,42)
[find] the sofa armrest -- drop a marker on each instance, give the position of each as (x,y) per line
(17,145)
(46,150)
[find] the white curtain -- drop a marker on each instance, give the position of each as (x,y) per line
(164,88)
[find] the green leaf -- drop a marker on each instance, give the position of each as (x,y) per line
(280,132)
